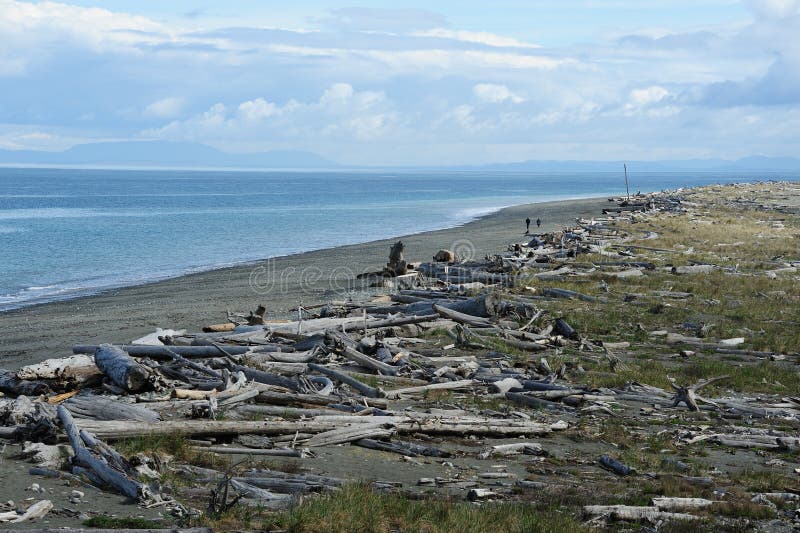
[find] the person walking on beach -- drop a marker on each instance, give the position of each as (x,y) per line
(527,225)
(538,222)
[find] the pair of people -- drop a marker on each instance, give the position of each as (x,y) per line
(528,224)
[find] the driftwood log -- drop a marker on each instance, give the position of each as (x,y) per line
(11,385)
(122,369)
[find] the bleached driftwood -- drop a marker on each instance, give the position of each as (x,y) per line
(629,512)
(74,370)
(101,408)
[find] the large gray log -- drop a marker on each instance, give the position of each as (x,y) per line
(158,352)
(485,306)
(280,398)
(260,376)
(115,429)
(460,317)
(364,360)
(348,434)
(121,482)
(285,412)
(272,452)
(122,369)
(363,388)
(100,408)
(401,320)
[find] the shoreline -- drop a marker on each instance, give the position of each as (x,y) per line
(49,329)
(84,292)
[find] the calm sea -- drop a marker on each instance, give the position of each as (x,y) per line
(65,233)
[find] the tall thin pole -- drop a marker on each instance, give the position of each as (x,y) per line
(627,190)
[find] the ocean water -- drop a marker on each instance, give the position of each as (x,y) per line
(65,233)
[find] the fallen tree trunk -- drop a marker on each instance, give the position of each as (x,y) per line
(408,449)
(281,398)
(11,385)
(628,512)
(119,481)
(76,370)
(266,378)
(460,317)
(348,434)
(122,369)
(448,385)
(159,352)
(367,361)
(363,388)
(487,426)
(225,450)
(100,408)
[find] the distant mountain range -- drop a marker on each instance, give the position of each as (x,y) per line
(749,164)
(133,154)
(162,154)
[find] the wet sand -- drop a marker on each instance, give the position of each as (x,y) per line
(35,333)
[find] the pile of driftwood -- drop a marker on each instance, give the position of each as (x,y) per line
(361,373)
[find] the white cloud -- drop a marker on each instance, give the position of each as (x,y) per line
(774,9)
(341,111)
(447,85)
(336,94)
(489,92)
(480,37)
(647,96)
(165,108)
(97,26)
(257,110)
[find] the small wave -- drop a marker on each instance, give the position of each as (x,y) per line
(471,213)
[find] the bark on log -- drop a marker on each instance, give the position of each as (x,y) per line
(122,369)
(11,385)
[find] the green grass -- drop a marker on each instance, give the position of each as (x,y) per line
(356,508)
(108,522)
(176,445)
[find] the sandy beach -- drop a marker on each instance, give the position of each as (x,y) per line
(35,333)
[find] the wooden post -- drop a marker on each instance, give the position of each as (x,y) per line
(627,189)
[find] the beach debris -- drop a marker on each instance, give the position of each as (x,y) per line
(122,369)
(453,371)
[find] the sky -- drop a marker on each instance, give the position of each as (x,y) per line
(431,83)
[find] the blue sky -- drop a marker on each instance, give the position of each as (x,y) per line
(431,83)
